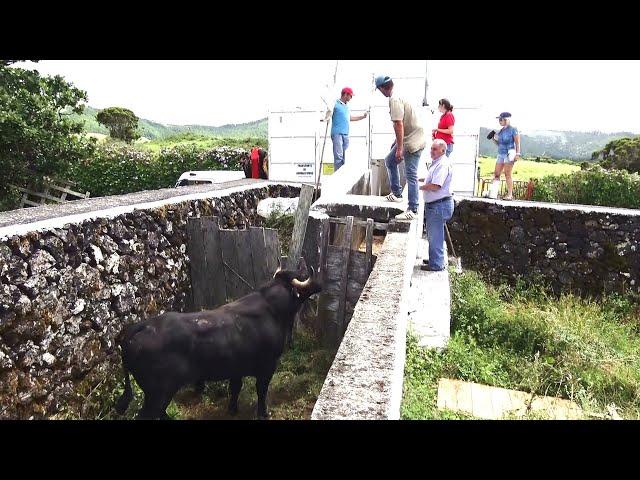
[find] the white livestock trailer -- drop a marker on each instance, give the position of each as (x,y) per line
(299,150)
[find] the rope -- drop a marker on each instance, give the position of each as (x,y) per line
(238,275)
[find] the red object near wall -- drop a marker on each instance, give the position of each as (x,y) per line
(255,163)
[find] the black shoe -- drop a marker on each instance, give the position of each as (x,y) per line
(425,261)
(429,268)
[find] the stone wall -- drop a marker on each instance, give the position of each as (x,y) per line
(67,291)
(574,248)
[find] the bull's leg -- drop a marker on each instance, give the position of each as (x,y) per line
(199,390)
(262,385)
(235,385)
(155,405)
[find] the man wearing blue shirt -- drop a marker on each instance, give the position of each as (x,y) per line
(340,127)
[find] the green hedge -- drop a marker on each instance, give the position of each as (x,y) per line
(596,186)
(118,169)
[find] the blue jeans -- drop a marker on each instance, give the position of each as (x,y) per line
(449,149)
(437,215)
(411,161)
(340,145)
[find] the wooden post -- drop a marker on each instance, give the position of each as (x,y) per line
(196,256)
(344,277)
(299,227)
(214,287)
(369,243)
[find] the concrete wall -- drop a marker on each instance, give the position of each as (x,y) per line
(68,283)
(578,248)
(366,378)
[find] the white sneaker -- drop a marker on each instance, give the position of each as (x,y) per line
(408,215)
(392,198)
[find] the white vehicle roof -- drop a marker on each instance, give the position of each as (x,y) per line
(211,176)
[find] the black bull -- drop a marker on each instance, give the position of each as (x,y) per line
(243,338)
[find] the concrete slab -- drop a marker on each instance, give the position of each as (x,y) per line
(361,206)
(483,401)
(430,304)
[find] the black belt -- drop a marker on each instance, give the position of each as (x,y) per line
(438,201)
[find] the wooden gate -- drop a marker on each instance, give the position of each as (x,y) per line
(227,264)
(345,271)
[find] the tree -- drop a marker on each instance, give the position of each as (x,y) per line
(37,137)
(623,153)
(121,122)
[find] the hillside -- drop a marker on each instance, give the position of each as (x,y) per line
(154,130)
(556,144)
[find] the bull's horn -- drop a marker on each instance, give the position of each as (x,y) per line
(298,284)
(279,267)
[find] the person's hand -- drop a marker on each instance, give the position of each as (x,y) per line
(399,155)
(516,158)
(423,187)
(433,132)
(364,115)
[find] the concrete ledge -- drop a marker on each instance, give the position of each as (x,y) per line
(21,221)
(366,378)
(551,206)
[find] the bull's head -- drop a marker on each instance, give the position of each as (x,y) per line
(303,281)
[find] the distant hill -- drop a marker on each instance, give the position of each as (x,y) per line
(154,130)
(556,144)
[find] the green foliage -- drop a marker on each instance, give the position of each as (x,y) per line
(595,186)
(556,144)
(284,224)
(37,137)
(117,169)
(525,339)
(620,154)
(121,122)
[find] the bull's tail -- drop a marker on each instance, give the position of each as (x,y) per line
(127,396)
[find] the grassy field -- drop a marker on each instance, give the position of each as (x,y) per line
(201,142)
(522,338)
(526,169)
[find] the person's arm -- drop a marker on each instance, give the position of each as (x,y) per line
(516,138)
(398,127)
(355,118)
(448,130)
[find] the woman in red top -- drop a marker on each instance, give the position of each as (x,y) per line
(445,125)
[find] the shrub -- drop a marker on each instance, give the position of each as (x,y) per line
(117,168)
(596,186)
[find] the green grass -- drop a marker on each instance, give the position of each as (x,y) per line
(200,141)
(522,338)
(527,169)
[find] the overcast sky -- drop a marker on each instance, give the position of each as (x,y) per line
(541,95)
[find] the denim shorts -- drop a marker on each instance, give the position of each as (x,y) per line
(508,157)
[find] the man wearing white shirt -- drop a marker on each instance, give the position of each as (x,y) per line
(438,203)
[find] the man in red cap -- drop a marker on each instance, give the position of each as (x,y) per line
(340,127)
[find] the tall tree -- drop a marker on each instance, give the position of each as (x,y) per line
(37,137)
(121,122)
